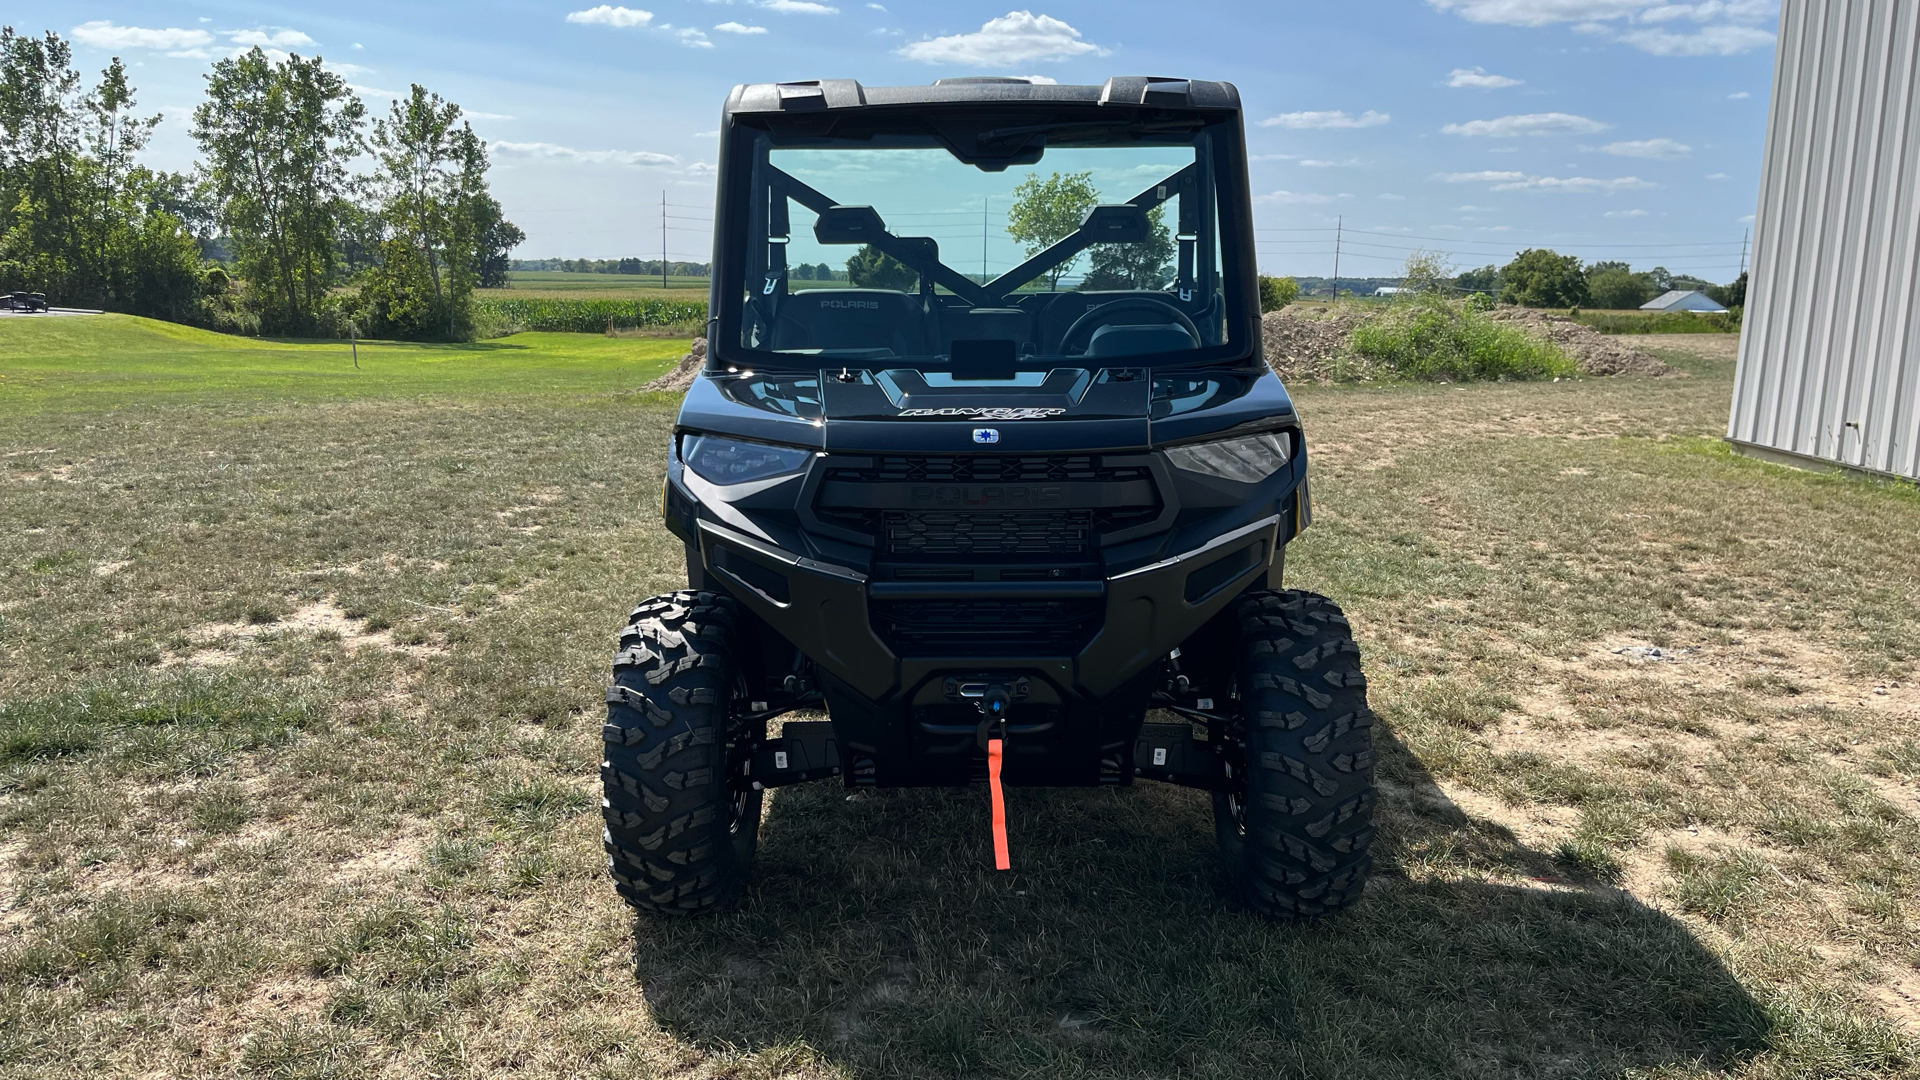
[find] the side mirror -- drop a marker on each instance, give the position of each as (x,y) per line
(1118,223)
(849,225)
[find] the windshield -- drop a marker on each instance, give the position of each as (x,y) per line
(1007,245)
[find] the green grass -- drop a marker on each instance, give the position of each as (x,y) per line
(1658,322)
(301,681)
(582,315)
(112,359)
(1437,341)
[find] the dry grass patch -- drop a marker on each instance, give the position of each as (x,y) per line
(366,844)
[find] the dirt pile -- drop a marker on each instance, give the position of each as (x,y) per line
(1596,353)
(1306,344)
(681,377)
(1313,344)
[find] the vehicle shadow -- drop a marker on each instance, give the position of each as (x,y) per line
(876,936)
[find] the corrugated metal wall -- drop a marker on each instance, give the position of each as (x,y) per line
(1830,360)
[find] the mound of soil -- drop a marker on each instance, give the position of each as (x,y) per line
(1311,344)
(1596,353)
(681,377)
(1307,344)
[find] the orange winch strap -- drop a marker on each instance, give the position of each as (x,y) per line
(1000,860)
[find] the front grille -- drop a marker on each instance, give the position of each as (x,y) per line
(925,628)
(992,469)
(983,532)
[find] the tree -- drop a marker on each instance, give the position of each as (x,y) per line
(1617,288)
(1277,292)
(278,139)
(79,219)
(1733,295)
(1540,277)
(1145,265)
(871,268)
(1427,272)
(1604,266)
(1046,211)
(1484,280)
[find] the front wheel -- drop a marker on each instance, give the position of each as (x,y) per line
(1295,831)
(680,827)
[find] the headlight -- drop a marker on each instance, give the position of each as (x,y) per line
(1248,460)
(725,461)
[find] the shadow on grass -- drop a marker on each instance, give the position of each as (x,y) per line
(875,934)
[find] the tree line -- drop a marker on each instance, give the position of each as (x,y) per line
(300,218)
(1541,277)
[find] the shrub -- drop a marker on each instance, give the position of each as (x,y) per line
(1277,292)
(1442,341)
(1538,277)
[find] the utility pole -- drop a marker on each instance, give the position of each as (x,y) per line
(983,238)
(663,238)
(1744,237)
(1339,230)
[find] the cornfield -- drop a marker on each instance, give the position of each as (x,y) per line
(590,316)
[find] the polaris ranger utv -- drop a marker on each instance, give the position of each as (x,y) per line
(1018,482)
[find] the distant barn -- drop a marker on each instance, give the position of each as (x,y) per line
(1830,359)
(1683,300)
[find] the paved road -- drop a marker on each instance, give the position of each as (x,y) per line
(7,313)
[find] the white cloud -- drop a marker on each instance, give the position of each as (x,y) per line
(739,28)
(1390,197)
(373,91)
(1716,176)
(553,152)
(1489,176)
(1517,181)
(714,134)
(1724,40)
(1507,127)
(475,114)
(608,15)
(1574,185)
(1725,27)
(1326,119)
(689,36)
(1740,95)
(878,7)
(1624,213)
(1297,197)
(1477,209)
(103,34)
(278,39)
(798,7)
(1041,80)
(1748,220)
(1663,149)
(1314,163)
(1014,38)
(1478,78)
(357,45)
(1274,157)
(1538,12)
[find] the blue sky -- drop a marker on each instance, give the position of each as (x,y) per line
(1624,129)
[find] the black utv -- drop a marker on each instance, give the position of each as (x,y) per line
(986,464)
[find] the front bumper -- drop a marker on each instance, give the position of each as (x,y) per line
(824,609)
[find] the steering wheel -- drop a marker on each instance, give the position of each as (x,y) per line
(1103,315)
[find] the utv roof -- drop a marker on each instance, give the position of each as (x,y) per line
(818,94)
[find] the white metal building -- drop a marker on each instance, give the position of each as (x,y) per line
(1830,359)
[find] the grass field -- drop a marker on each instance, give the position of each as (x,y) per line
(560,284)
(300,687)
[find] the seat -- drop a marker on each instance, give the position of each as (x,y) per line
(834,319)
